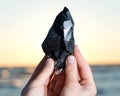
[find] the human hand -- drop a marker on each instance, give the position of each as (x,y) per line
(76,80)
(37,85)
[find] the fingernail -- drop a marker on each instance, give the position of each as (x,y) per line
(71,60)
(48,62)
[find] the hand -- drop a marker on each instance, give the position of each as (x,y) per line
(37,85)
(77,80)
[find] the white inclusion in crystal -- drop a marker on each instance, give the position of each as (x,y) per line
(57,72)
(67,25)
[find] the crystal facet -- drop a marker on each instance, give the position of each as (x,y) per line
(59,42)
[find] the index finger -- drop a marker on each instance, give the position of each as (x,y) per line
(38,69)
(84,69)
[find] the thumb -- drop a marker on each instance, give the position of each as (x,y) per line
(43,77)
(71,70)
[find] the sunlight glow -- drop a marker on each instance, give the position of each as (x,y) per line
(24,25)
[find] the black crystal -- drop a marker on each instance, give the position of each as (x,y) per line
(59,42)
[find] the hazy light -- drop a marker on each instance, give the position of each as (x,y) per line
(24,25)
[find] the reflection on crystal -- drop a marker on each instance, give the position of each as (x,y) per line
(67,26)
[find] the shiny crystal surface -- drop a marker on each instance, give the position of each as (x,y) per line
(59,42)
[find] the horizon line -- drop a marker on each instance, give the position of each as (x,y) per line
(35,65)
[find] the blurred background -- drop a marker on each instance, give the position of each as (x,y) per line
(25,23)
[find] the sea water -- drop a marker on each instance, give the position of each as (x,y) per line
(107,79)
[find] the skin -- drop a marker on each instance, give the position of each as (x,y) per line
(75,80)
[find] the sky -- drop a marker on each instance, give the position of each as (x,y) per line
(24,25)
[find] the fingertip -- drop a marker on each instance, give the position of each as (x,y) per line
(76,46)
(71,69)
(49,62)
(70,63)
(49,66)
(70,59)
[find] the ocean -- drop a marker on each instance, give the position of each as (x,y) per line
(107,79)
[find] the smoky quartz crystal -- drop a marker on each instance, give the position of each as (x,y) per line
(59,42)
